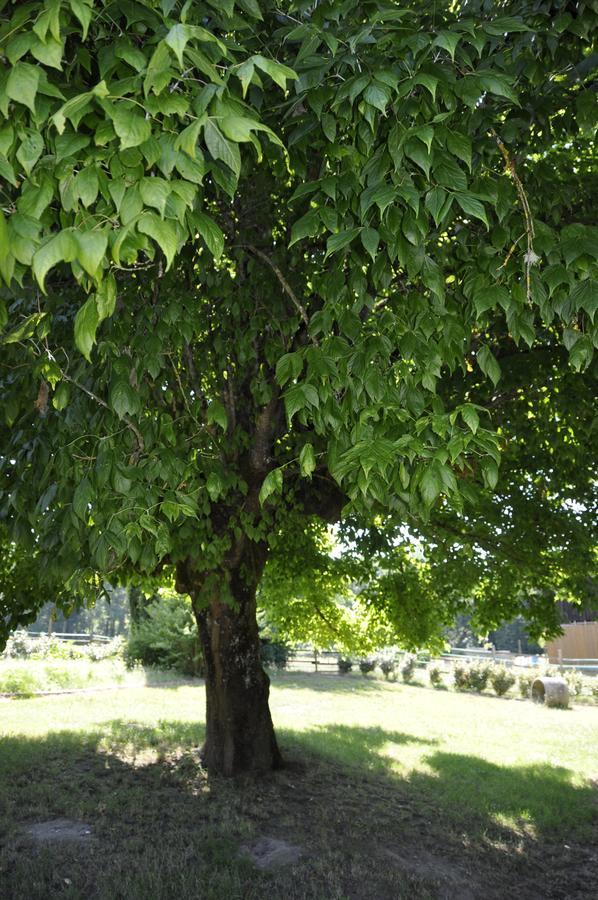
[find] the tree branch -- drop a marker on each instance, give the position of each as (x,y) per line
(285,285)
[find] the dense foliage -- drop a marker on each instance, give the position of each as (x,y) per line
(265,262)
(166,636)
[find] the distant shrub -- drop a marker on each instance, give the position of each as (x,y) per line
(366,666)
(479,674)
(472,677)
(344,665)
(461,676)
(166,637)
(574,681)
(408,669)
(275,654)
(524,684)
(18,682)
(594,689)
(387,667)
(435,676)
(422,659)
(501,679)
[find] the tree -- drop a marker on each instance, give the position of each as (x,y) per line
(251,253)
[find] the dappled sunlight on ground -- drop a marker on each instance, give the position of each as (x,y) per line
(435,788)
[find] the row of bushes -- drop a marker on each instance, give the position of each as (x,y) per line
(389,666)
(476,677)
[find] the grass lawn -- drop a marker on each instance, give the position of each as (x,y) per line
(392,791)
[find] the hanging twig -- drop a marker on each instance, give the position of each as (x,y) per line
(530,256)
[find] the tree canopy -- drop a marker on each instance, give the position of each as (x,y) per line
(266,262)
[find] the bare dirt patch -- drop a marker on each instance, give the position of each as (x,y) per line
(60,831)
(271,853)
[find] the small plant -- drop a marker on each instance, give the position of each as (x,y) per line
(366,666)
(19,683)
(524,684)
(435,676)
(274,654)
(478,676)
(502,680)
(408,669)
(594,691)
(574,681)
(461,677)
(387,667)
(344,665)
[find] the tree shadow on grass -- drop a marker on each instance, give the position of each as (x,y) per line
(163,827)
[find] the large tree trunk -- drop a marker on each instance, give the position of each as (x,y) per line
(239,731)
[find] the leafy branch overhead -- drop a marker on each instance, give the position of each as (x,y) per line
(269,260)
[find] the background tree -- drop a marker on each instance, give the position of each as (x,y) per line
(251,252)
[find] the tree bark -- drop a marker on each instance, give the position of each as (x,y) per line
(239,732)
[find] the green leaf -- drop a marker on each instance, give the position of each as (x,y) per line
(84,13)
(30,151)
(131,126)
(460,146)
(275,70)
(187,139)
(491,297)
(415,151)
(214,485)
(210,232)
(106,297)
(448,40)
(585,296)
(498,84)
(428,81)
(7,260)
(179,36)
(82,498)
(86,185)
(307,226)
(91,250)
(86,324)
(490,473)
(488,364)
(62,247)
(155,192)
(61,396)
(217,414)
(470,417)
(431,484)
(221,148)
(307,460)
(22,84)
(377,95)
(472,207)
(163,232)
(435,200)
(336,242)
(272,484)
(123,399)
(370,238)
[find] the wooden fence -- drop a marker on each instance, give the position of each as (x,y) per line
(74,638)
(578,645)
